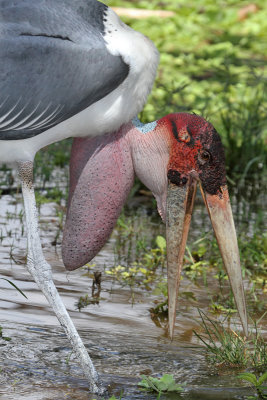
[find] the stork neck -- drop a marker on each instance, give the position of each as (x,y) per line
(150,154)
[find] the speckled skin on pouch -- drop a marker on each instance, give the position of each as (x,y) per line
(101,187)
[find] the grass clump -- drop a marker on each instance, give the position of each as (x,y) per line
(228,348)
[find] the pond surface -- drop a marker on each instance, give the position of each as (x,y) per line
(121,337)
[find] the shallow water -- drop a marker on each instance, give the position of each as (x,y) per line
(123,341)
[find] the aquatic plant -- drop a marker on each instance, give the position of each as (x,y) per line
(15,286)
(202,260)
(142,271)
(227,347)
(6,338)
(165,384)
(255,382)
(94,298)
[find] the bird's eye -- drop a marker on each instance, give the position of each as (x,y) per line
(204,157)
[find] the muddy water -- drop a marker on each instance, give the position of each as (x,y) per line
(37,363)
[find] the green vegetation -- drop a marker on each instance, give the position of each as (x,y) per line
(6,338)
(203,260)
(165,384)
(15,286)
(256,383)
(227,347)
(142,271)
(140,261)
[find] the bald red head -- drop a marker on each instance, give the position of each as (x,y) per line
(196,149)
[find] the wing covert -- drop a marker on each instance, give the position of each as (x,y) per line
(53,64)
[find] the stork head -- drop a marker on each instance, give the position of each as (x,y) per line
(170,156)
(181,148)
(196,156)
(196,152)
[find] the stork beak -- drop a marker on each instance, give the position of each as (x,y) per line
(220,213)
(180,201)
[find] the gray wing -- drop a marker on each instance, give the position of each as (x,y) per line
(53,63)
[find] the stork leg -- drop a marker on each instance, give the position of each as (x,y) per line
(41,272)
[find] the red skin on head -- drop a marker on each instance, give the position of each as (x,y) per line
(185,143)
(190,138)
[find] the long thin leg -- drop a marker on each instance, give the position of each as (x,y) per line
(41,272)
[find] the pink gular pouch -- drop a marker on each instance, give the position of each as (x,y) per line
(102,173)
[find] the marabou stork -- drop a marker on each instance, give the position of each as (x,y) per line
(73,69)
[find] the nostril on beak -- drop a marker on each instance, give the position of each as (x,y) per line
(194,174)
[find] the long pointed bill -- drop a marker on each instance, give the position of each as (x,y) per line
(220,212)
(180,201)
